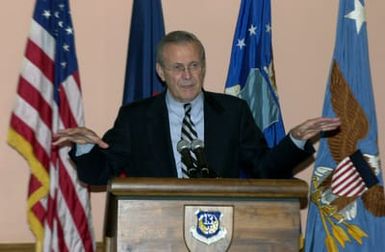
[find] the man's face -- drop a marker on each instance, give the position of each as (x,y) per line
(182,70)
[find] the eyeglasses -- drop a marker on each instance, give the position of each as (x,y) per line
(180,68)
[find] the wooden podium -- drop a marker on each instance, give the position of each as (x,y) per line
(156,214)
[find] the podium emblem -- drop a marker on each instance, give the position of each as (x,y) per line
(208,226)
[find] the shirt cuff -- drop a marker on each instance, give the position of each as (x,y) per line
(82,149)
(299,143)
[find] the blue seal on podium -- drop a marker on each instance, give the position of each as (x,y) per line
(208,227)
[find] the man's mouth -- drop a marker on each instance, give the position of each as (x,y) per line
(187,85)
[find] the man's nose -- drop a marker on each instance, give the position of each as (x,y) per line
(186,73)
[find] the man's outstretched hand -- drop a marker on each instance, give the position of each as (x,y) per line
(312,127)
(80,135)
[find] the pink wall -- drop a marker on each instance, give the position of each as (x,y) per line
(303,35)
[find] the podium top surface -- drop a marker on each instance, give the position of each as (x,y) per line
(173,187)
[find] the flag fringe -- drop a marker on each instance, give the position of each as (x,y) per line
(20,144)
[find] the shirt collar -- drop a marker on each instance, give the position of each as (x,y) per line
(175,106)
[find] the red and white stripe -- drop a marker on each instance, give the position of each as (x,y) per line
(346,180)
(59,207)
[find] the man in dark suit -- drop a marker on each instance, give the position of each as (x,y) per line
(143,141)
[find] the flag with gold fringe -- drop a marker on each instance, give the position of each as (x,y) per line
(48,99)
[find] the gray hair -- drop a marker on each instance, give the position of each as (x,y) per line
(179,37)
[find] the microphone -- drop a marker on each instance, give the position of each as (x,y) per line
(183,148)
(197,146)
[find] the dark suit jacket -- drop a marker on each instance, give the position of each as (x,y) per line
(140,144)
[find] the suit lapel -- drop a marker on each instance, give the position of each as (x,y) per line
(158,131)
(213,128)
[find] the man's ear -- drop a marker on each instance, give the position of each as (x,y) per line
(160,72)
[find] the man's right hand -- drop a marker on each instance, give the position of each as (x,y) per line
(80,135)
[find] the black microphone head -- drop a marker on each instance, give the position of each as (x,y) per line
(197,143)
(183,148)
(182,144)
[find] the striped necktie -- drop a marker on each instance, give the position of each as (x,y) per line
(188,134)
(188,128)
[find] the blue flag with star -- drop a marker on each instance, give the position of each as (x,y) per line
(147,28)
(251,71)
(347,206)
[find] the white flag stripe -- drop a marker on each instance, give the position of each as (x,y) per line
(26,113)
(341,168)
(65,159)
(71,236)
(43,203)
(345,190)
(37,79)
(346,174)
(360,189)
(56,119)
(82,192)
(50,241)
(42,39)
(347,180)
(354,190)
(74,97)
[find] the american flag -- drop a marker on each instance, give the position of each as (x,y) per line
(49,99)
